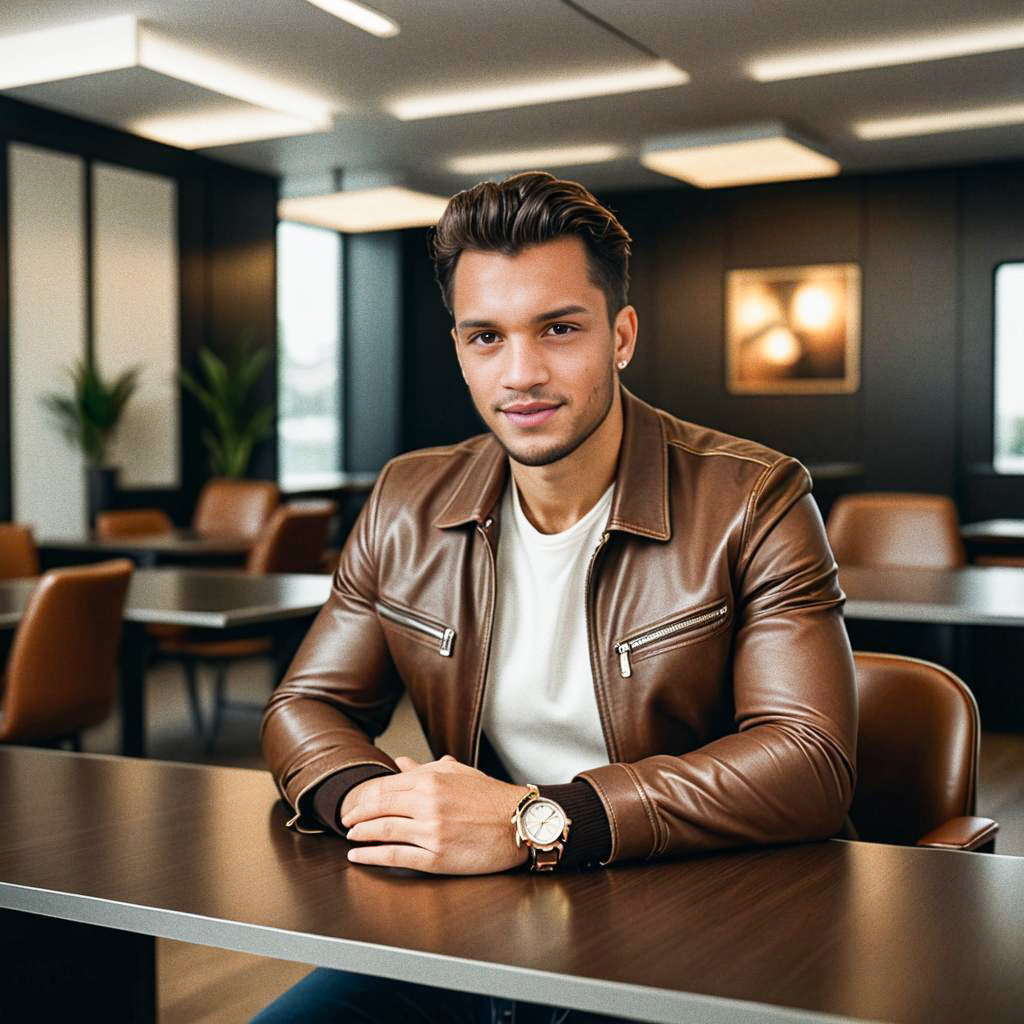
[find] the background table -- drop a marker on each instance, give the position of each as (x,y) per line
(180,547)
(222,601)
(994,537)
(201,854)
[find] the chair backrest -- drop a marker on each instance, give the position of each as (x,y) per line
(294,539)
(62,670)
(917,748)
(235,508)
(894,529)
(18,555)
(132,522)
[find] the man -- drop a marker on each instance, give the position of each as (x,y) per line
(621,632)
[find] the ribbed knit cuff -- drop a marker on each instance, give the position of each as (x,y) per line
(590,835)
(327,797)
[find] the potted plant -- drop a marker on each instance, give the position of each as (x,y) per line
(238,421)
(88,418)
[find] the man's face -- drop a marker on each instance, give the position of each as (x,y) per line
(535,346)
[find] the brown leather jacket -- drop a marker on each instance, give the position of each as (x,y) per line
(721,666)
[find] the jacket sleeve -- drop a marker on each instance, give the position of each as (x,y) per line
(787,773)
(342,686)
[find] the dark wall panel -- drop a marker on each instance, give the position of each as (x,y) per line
(6,489)
(910,332)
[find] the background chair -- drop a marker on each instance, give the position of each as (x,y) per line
(61,675)
(897,530)
(917,756)
(18,555)
(235,508)
(133,522)
(293,541)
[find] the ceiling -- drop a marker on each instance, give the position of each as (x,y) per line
(452,44)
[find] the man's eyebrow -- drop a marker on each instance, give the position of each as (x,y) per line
(553,314)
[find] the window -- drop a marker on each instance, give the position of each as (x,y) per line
(1009,369)
(309,350)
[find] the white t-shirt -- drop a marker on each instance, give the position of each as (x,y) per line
(540,711)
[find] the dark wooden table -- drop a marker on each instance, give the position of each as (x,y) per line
(131,849)
(994,537)
(180,547)
(328,485)
(972,596)
(221,601)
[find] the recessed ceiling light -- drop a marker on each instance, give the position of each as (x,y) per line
(521,159)
(111,44)
(914,50)
(653,75)
(222,128)
(367,209)
(934,124)
(366,18)
(70,51)
(737,156)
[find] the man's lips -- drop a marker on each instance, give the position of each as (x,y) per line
(530,414)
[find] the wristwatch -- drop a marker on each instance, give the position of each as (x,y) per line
(543,826)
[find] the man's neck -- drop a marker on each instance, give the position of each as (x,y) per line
(557,496)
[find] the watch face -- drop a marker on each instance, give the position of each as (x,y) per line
(543,822)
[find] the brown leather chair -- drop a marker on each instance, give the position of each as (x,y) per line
(917,756)
(18,555)
(61,675)
(133,522)
(235,508)
(896,530)
(293,541)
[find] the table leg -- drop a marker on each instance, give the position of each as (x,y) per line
(64,970)
(286,638)
(135,651)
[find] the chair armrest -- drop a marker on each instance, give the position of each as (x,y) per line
(967,833)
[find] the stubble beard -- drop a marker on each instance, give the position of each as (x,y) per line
(548,456)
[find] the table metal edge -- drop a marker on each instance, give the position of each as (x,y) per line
(502,980)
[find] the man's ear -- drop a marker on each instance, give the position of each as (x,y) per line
(625,331)
(458,354)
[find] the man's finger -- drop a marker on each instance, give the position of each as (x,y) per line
(394,830)
(401,803)
(393,857)
(407,764)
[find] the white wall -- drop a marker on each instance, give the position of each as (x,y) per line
(135,315)
(48,308)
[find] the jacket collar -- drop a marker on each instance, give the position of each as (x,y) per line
(640,502)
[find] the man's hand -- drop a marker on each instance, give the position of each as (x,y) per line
(443,817)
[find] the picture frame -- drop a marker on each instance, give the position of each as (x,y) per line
(793,330)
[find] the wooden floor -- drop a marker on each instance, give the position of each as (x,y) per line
(199,985)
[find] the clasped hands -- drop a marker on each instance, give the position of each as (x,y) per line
(443,817)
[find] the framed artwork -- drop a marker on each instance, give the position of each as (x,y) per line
(793,330)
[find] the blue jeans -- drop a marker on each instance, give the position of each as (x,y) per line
(330,997)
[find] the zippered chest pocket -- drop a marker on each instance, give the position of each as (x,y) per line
(443,635)
(687,627)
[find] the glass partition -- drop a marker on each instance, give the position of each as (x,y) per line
(1009,369)
(309,348)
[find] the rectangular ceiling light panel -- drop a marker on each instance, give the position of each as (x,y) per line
(70,51)
(370,209)
(361,16)
(733,158)
(534,159)
(220,128)
(891,53)
(935,124)
(654,75)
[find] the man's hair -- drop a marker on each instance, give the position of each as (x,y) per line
(529,209)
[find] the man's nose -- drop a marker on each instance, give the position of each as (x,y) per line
(524,366)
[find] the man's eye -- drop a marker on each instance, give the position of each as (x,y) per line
(485,337)
(561,330)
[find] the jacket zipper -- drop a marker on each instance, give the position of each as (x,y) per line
(444,636)
(594,670)
(624,647)
(476,729)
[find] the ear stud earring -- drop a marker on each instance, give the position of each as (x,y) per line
(622,364)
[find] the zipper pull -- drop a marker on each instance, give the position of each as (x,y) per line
(624,666)
(446,643)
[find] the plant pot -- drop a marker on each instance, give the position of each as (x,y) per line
(100,489)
